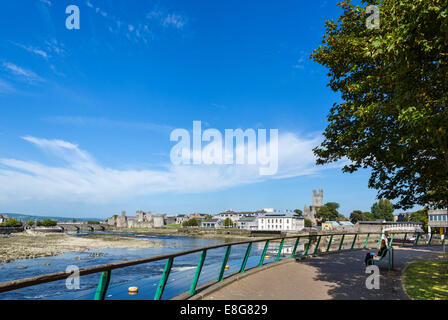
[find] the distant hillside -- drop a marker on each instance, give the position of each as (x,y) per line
(26,217)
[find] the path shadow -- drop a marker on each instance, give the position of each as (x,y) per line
(347,272)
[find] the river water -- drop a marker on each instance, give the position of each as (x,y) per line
(145,276)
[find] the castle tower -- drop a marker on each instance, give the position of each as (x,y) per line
(318,198)
(318,201)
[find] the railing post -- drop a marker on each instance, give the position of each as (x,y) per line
(164,279)
(379,240)
(354,241)
(342,241)
(260,264)
(429,241)
(280,250)
(392,239)
(367,241)
(416,239)
(404,240)
(329,243)
(295,248)
(305,253)
(103,284)
(198,272)
(224,263)
(246,256)
(317,245)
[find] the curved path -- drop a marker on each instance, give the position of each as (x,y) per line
(331,276)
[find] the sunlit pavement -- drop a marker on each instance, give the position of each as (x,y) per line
(333,276)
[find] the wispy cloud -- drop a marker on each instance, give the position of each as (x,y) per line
(47,2)
(175,20)
(300,64)
(167,19)
(82,179)
(21,73)
(6,87)
(31,49)
(108,123)
(55,46)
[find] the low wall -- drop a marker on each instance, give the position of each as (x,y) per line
(6,230)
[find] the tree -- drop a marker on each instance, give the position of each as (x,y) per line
(228,222)
(419,216)
(46,223)
(11,223)
(191,223)
(328,212)
(383,210)
(30,223)
(358,215)
(298,212)
(308,223)
(207,217)
(393,117)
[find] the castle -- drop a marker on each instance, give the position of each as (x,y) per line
(141,220)
(318,201)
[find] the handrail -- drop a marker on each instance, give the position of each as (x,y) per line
(107,268)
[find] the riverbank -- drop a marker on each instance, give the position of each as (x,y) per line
(218,234)
(28,245)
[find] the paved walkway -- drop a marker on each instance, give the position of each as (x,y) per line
(333,276)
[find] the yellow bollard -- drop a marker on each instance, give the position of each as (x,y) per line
(133,290)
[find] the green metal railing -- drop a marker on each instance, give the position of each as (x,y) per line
(106,270)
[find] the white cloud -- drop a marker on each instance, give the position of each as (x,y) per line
(31,49)
(6,87)
(22,73)
(174,20)
(54,46)
(47,2)
(82,179)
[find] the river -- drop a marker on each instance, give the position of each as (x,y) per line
(145,276)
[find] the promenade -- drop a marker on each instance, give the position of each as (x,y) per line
(332,276)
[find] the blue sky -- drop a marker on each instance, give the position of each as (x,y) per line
(86,114)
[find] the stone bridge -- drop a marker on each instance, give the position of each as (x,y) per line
(79,226)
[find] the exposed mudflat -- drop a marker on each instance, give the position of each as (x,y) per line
(28,245)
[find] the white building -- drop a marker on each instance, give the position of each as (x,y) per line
(181,218)
(2,219)
(212,223)
(277,221)
(248,223)
(229,214)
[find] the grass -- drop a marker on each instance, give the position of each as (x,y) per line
(427,280)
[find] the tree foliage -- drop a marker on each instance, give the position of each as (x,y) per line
(11,223)
(191,223)
(308,223)
(228,222)
(358,215)
(298,212)
(419,216)
(328,212)
(46,223)
(393,82)
(383,209)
